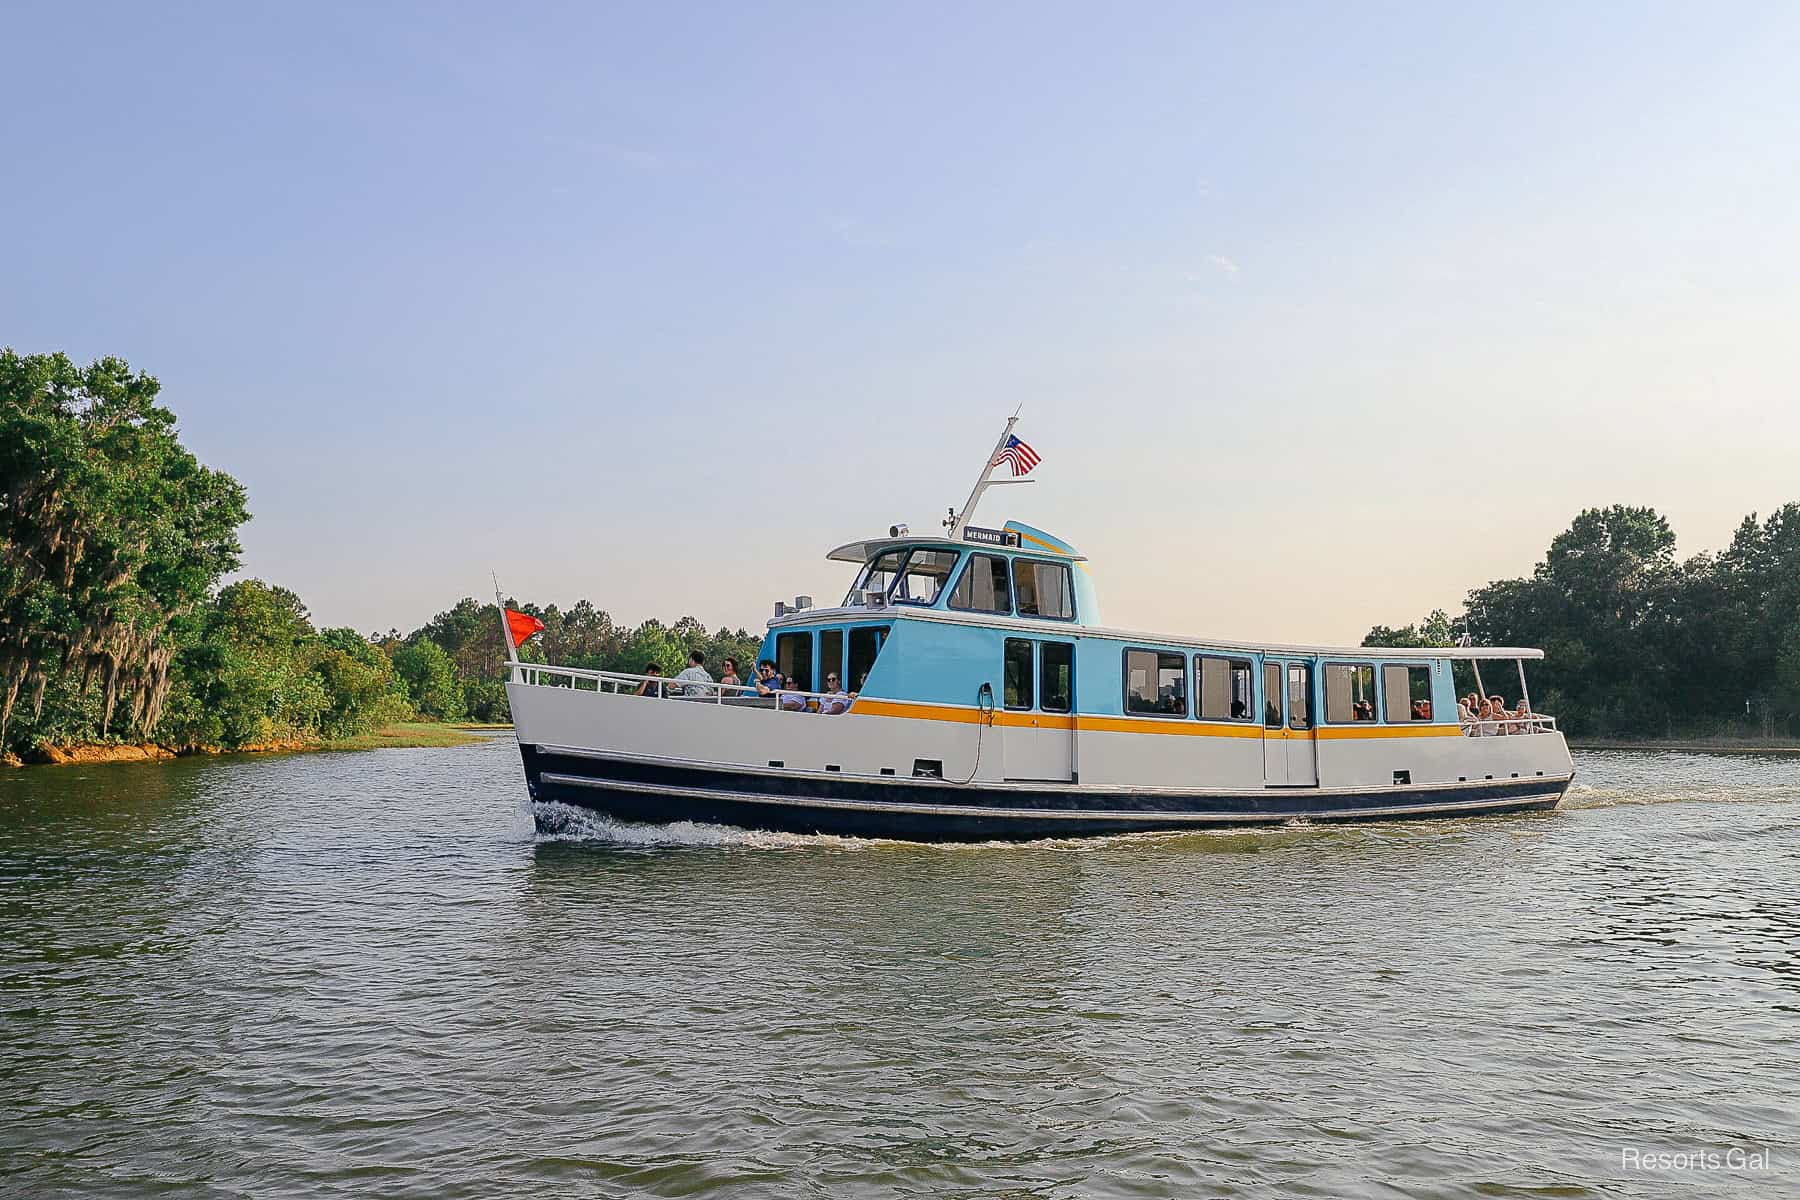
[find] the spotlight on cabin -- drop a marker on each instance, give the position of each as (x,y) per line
(897,531)
(801,602)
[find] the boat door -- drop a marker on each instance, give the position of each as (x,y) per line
(1302,743)
(1274,724)
(1038,696)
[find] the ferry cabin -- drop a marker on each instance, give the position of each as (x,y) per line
(1003,636)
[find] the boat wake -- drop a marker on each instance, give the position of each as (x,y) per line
(558,822)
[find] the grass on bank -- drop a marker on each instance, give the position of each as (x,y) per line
(412,734)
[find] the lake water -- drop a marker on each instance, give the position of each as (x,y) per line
(365,974)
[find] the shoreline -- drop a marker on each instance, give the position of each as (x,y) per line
(1689,745)
(405,735)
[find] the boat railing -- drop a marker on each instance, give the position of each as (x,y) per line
(666,687)
(1535,723)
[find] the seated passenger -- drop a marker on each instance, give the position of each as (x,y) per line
(1421,710)
(1362,710)
(793,697)
(1465,715)
(730,678)
(836,699)
(1502,713)
(767,682)
(694,681)
(1527,718)
(1239,710)
(649,687)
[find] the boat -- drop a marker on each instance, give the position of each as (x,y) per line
(980,697)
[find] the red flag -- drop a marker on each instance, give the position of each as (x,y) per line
(521,626)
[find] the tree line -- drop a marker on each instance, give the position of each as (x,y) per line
(113,626)
(1639,643)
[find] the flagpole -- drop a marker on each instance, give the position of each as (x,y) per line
(512,651)
(981,484)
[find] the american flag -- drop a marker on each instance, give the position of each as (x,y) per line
(1018,455)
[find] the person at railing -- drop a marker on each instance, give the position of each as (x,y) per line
(652,687)
(1465,715)
(1524,722)
(1500,714)
(793,697)
(730,677)
(836,699)
(694,681)
(767,682)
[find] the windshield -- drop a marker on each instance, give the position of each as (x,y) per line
(924,576)
(905,576)
(877,576)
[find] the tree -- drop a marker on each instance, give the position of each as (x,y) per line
(1638,642)
(430,679)
(110,532)
(1434,630)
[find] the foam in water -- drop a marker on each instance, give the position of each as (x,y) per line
(558,822)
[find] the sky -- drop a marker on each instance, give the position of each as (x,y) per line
(1320,315)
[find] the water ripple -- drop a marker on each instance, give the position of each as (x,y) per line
(355,974)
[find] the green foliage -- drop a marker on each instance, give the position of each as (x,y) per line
(112,541)
(1434,630)
(360,680)
(110,532)
(430,679)
(1638,643)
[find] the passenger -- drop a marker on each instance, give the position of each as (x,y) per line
(860,685)
(651,687)
(836,699)
(1500,715)
(793,697)
(1421,710)
(1362,710)
(1465,716)
(1527,718)
(1239,710)
(767,682)
(694,681)
(730,678)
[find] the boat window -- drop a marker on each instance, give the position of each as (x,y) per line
(1299,695)
(924,575)
(1156,683)
(1406,691)
(1056,679)
(1016,679)
(794,659)
(1349,692)
(1224,685)
(878,576)
(831,656)
(983,586)
(1044,589)
(1272,695)
(865,644)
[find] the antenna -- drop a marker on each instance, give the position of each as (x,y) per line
(960,521)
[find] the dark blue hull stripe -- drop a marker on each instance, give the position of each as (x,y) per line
(663,791)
